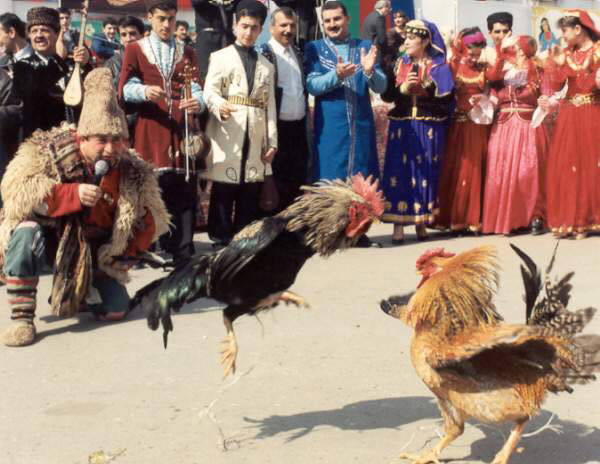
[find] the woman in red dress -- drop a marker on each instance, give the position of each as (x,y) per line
(514,180)
(461,181)
(573,186)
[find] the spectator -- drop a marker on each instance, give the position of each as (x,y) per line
(290,164)
(307,28)
(214,21)
(395,38)
(240,94)
(155,85)
(105,44)
(340,72)
(11,112)
(182,29)
(374,27)
(40,79)
(514,179)
(499,26)
(67,36)
(423,98)
(462,173)
(12,38)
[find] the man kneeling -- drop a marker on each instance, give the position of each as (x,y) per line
(86,227)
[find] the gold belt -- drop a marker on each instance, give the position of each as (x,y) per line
(583,99)
(516,110)
(247,101)
(460,116)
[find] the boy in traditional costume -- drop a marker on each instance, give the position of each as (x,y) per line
(89,226)
(152,77)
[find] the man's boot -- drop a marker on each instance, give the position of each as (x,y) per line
(21,298)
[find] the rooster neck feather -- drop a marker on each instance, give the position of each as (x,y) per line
(321,216)
(460,295)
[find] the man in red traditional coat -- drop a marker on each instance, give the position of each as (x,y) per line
(152,76)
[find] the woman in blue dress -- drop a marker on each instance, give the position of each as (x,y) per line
(422,90)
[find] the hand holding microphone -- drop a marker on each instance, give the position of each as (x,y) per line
(89,194)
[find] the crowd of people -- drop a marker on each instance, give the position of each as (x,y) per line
(480,139)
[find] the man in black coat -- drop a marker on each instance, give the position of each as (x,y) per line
(11,109)
(374,27)
(214,20)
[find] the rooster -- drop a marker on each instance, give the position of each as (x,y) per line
(255,270)
(475,364)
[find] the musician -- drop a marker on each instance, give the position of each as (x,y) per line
(152,76)
(41,78)
(240,94)
(90,228)
(214,19)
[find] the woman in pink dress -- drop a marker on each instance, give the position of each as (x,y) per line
(514,185)
(574,161)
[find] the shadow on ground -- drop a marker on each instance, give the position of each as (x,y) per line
(574,444)
(389,413)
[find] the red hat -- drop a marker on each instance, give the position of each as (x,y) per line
(585,19)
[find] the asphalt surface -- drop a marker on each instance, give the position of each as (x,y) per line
(332,384)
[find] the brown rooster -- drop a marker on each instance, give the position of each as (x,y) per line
(477,366)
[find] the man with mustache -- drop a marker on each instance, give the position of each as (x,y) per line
(41,78)
(64,214)
(340,73)
(290,164)
(152,77)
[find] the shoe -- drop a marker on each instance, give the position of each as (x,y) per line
(537,226)
(19,333)
(397,241)
(366,242)
(422,234)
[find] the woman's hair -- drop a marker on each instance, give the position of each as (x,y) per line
(572,21)
(471,31)
(542,21)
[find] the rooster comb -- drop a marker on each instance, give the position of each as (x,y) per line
(432,253)
(368,189)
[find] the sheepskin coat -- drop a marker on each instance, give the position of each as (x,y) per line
(32,174)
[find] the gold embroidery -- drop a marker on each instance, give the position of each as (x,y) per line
(430,205)
(413,182)
(424,183)
(417,207)
(435,158)
(583,99)
(419,159)
(393,181)
(387,205)
(399,132)
(430,133)
(404,158)
(402,206)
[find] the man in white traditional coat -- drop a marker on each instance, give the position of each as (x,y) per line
(240,96)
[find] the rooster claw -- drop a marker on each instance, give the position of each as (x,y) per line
(425,459)
(229,354)
(291,298)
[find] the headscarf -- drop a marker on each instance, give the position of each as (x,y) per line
(441,75)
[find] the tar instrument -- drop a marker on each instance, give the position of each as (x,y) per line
(195,145)
(74,91)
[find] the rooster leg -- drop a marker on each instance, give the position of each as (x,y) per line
(290,297)
(453,428)
(229,351)
(515,435)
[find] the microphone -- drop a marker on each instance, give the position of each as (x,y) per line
(101,167)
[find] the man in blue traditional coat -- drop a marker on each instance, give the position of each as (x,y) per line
(340,72)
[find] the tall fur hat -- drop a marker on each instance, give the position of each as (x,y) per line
(100,114)
(43,16)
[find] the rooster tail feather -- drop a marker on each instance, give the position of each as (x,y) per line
(532,280)
(397,305)
(551,263)
(588,359)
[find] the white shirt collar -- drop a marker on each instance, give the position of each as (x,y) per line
(278,48)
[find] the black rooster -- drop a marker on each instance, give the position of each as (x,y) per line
(262,261)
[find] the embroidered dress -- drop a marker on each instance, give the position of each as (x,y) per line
(573,180)
(461,184)
(343,123)
(416,138)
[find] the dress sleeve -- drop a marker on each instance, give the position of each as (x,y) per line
(63,200)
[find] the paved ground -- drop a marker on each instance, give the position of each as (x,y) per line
(333,384)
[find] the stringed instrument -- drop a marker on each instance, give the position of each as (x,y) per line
(74,91)
(195,144)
